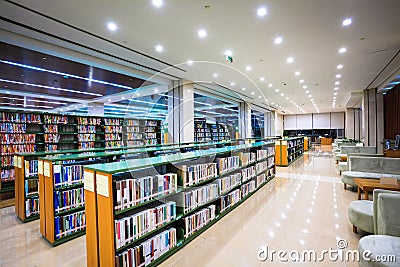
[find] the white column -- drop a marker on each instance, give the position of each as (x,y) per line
(95,109)
(372,115)
(278,124)
(267,124)
(245,120)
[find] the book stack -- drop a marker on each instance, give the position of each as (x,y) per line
(199,196)
(31,188)
(31,207)
(261,166)
(17,138)
(198,220)
(260,179)
(230,199)
(248,173)
(262,154)
(148,251)
(271,162)
(130,192)
(200,172)
(227,164)
(247,158)
(68,199)
(129,229)
(271,150)
(67,175)
(227,183)
(113,132)
(248,188)
(69,224)
(87,130)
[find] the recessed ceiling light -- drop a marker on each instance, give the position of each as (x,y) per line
(287,98)
(307,91)
(215,75)
(189,62)
(157,3)
(297,73)
(278,40)
(334,97)
(337,83)
(109,100)
(305,86)
(336,88)
(138,94)
(338,76)
(262,11)
(289,60)
(228,53)
(310,96)
(301,81)
(282,94)
(335,93)
(248,68)
(252,93)
(202,33)
(243,89)
(123,97)
(347,22)
(277,90)
(112,26)
(291,101)
(262,79)
(232,83)
(159,48)
(342,50)
(270,85)
(259,96)
(339,66)
(155,90)
(312,100)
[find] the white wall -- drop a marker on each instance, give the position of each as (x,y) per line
(278,124)
(332,120)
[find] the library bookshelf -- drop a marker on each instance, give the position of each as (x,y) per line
(288,150)
(159,204)
(307,143)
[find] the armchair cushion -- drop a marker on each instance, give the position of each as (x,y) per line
(379,245)
(361,215)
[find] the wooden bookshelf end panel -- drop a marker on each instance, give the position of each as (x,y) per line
(92,242)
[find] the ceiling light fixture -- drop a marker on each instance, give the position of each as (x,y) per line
(301,81)
(228,53)
(232,83)
(248,68)
(338,76)
(336,88)
(215,75)
(290,60)
(347,22)
(155,90)
(157,3)
(159,48)
(270,85)
(252,93)
(262,79)
(335,93)
(262,11)
(202,33)
(189,62)
(307,91)
(297,73)
(277,90)
(340,66)
(112,26)
(243,89)
(305,86)
(337,83)
(282,94)
(342,50)
(278,40)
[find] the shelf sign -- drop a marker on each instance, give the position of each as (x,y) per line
(19,162)
(40,167)
(88,181)
(15,161)
(102,185)
(46,169)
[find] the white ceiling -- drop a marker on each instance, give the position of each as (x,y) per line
(312,33)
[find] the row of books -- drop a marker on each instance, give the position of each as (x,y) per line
(199,196)
(67,175)
(51,147)
(248,173)
(17,138)
(150,135)
(69,224)
(7,127)
(31,207)
(132,129)
(200,172)
(262,154)
(227,164)
(88,137)
(260,179)
(248,188)
(247,158)
(86,145)
(230,199)
(52,128)
(89,121)
(12,149)
(133,143)
(147,251)
(130,228)
(261,166)
(130,192)
(151,142)
(52,119)
(19,117)
(150,123)
(271,162)
(113,129)
(7,160)
(31,187)
(112,136)
(271,150)
(52,138)
(7,175)
(131,122)
(227,183)
(198,220)
(111,144)
(112,121)
(31,168)
(134,136)
(149,129)
(86,129)
(68,199)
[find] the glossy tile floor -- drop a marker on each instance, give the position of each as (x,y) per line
(303,208)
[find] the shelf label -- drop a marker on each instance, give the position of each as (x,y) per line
(46,169)
(26,165)
(88,181)
(19,162)
(40,167)
(15,161)
(102,185)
